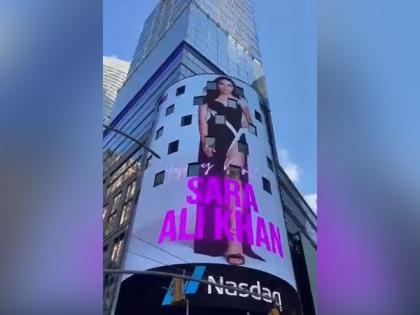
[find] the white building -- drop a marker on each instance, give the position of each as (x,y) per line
(113,77)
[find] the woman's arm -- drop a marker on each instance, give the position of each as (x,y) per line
(204,129)
(202,114)
(245,110)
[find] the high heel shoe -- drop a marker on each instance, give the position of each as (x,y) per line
(229,257)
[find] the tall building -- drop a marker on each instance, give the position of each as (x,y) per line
(113,77)
(301,226)
(184,45)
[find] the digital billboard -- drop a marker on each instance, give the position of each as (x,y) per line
(213,197)
(153,295)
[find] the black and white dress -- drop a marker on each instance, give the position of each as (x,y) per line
(225,126)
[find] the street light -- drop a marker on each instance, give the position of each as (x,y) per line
(132,139)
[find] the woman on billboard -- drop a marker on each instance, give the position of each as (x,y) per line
(224,117)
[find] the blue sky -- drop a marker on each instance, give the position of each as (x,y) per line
(287,36)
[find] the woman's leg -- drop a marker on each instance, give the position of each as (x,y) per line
(235,160)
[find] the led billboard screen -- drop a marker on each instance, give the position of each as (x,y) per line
(213,196)
(152,295)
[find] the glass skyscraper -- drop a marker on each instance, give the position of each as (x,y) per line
(180,38)
(223,31)
(114,75)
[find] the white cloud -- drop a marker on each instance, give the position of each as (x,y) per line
(294,172)
(292,169)
(311,199)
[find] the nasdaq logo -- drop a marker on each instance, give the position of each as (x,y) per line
(191,286)
(270,295)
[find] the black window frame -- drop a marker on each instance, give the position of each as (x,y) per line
(239,91)
(155,182)
(217,117)
(244,143)
(232,103)
(176,142)
(211,86)
(190,167)
(266,188)
(189,122)
(170,107)
(148,161)
(252,126)
(258,116)
(207,139)
(198,100)
(270,164)
(157,136)
(235,171)
(180,90)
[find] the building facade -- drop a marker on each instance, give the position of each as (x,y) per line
(181,39)
(113,77)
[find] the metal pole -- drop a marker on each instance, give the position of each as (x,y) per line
(187,303)
(187,311)
(132,139)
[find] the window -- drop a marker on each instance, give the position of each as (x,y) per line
(180,90)
(173,147)
(235,171)
(193,169)
(210,142)
(170,109)
(109,286)
(258,116)
(159,178)
(149,161)
(110,222)
(186,120)
(232,103)
(211,85)
(160,101)
(159,133)
(117,199)
(243,147)
(131,189)
(266,185)
(198,100)
(252,129)
(220,120)
(269,163)
(125,215)
(105,256)
(239,91)
(117,249)
(105,212)
(163,98)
